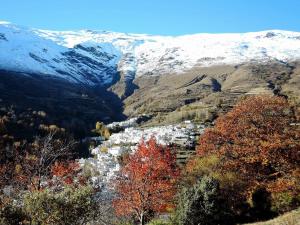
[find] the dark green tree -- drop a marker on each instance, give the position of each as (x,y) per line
(201,204)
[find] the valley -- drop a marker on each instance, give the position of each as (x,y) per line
(121,128)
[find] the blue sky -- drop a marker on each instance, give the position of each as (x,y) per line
(166,17)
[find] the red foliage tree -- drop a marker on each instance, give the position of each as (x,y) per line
(66,173)
(260,141)
(147,182)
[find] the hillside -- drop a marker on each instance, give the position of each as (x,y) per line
(202,93)
(290,218)
(72,106)
(172,78)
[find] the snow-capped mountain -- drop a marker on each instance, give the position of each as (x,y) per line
(96,57)
(27,50)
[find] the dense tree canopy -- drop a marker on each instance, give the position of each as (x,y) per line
(259,140)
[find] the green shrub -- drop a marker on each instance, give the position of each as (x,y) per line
(159,222)
(70,206)
(201,205)
(284,202)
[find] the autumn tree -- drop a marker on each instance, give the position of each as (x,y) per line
(30,164)
(260,141)
(102,130)
(42,155)
(146,183)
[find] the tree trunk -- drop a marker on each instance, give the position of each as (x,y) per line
(142,222)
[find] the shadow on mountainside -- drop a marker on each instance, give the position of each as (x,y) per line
(63,101)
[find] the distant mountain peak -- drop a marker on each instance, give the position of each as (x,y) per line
(95,57)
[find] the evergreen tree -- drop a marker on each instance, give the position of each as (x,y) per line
(201,205)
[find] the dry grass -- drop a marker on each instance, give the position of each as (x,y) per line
(291,218)
(169,94)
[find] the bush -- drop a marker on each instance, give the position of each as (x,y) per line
(201,204)
(102,130)
(69,206)
(284,201)
(159,222)
(11,214)
(261,205)
(230,184)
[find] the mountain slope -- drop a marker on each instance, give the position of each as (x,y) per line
(69,105)
(171,77)
(23,50)
(95,57)
(207,91)
(156,55)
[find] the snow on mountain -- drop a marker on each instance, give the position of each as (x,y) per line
(95,57)
(23,50)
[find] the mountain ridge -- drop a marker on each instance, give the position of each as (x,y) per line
(96,57)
